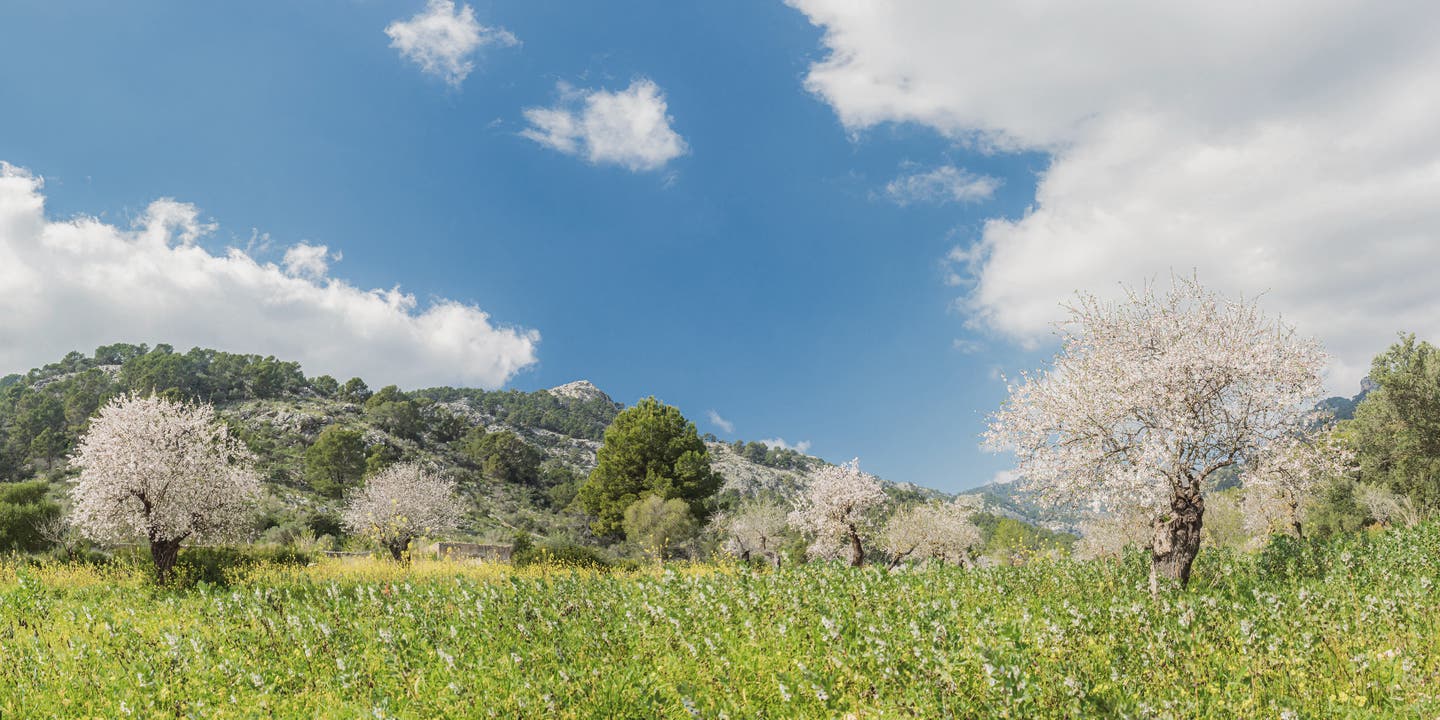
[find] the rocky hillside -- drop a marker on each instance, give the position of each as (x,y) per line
(519,456)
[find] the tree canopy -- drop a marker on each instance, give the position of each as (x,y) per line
(336,461)
(1149,397)
(1396,430)
(652,449)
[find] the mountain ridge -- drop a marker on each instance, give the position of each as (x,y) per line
(280,413)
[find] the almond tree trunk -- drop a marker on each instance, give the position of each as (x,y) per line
(857,552)
(1176,541)
(164,553)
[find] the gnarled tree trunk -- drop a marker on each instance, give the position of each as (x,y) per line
(1176,541)
(397,549)
(164,553)
(857,552)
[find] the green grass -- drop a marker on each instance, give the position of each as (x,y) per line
(1345,629)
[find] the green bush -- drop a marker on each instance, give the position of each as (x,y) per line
(562,555)
(215,565)
(23,507)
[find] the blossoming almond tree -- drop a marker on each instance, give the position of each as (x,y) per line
(1151,395)
(1278,482)
(755,529)
(163,471)
(940,531)
(836,509)
(400,503)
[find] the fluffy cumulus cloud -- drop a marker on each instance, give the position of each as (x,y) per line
(721,422)
(629,128)
(77,284)
(443,40)
(801,447)
(944,184)
(1287,148)
(304,260)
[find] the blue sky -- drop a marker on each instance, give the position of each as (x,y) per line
(766,273)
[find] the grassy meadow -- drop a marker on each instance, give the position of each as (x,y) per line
(1347,628)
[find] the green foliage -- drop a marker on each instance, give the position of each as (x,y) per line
(649,449)
(521,543)
(326,386)
(1005,538)
(355,391)
(658,525)
(336,462)
(1336,510)
(579,418)
(381,456)
(502,456)
(777,457)
(561,484)
(446,426)
(23,507)
(562,555)
(1396,429)
(1342,628)
(395,412)
(324,523)
(218,565)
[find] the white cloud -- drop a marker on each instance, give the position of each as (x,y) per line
(721,422)
(966,346)
(1005,477)
(629,128)
(81,283)
(442,40)
(312,261)
(944,184)
(801,447)
(1284,147)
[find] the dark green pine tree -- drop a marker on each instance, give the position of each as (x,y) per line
(650,449)
(336,461)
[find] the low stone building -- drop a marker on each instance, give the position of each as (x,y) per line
(463,550)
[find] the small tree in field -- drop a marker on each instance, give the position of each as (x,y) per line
(400,503)
(935,531)
(163,471)
(755,529)
(1280,482)
(657,525)
(1150,396)
(836,508)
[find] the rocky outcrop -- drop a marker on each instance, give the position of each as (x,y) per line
(579,390)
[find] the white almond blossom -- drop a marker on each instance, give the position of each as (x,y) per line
(1151,395)
(754,530)
(162,472)
(1111,533)
(1280,481)
(938,531)
(836,510)
(401,503)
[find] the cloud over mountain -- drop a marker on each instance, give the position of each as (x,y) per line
(76,284)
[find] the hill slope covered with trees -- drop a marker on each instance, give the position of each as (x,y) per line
(519,458)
